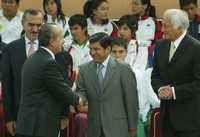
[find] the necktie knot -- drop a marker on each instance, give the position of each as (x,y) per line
(100,66)
(31,48)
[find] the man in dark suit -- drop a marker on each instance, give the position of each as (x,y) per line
(13,58)
(2,47)
(44,90)
(176,77)
(110,87)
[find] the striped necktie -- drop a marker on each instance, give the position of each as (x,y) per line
(31,49)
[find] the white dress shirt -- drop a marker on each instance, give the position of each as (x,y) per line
(49,51)
(10,30)
(178,41)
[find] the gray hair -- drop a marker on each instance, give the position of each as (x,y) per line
(179,18)
(32,12)
(46,33)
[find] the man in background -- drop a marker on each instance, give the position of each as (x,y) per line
(190,6)
(10,21)
(14,57)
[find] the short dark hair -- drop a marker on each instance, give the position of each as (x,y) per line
(60,13)
(78,19)
(131,21)
(101,37)
(92,5)
(17,1)
(46,33)
(30,11)
(118,41)
(187,2)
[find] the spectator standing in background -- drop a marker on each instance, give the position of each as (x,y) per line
(98,21)
(54,14)
(190,6)
(10,20)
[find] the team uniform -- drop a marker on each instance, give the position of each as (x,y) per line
(80,53)
(65,27)
(10,30)
(110,28)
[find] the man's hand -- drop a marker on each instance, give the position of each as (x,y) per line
(165,93)
(11,126)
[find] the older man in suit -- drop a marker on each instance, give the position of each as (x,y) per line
(176,77)
(110,88)
(44,90)
(13,58)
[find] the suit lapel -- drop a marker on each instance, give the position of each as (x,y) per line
(92,74)
(111,69)
(166,54)
(21,51)
(180,50)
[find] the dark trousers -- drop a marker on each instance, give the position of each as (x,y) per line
(169,131)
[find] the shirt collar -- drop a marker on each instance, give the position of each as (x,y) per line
(178,41)
(49,51)
(28,41)
(105,62)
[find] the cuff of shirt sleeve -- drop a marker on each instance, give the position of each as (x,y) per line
(173,93)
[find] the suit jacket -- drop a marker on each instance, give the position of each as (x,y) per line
(43,93)
(2,48)
(116,109)
(13,59)
(183,73)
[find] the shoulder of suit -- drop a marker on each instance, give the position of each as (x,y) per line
(86,65)
(162,43)
(192,41)
(16,43)
(121,64)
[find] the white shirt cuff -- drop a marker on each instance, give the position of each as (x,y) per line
(173,93)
